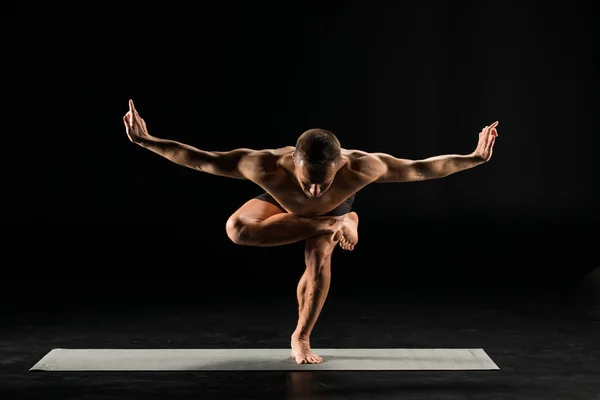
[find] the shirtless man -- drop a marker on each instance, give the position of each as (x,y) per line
(309,190)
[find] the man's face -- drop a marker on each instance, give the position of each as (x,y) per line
(315,181)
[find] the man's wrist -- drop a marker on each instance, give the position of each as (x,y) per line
(475,159)
(144,140)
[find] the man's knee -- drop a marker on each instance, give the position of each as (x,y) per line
(237,230)
(321,246)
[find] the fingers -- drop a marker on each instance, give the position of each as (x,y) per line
(490,143)
(134,114)
(493,130)
(489,139)
(484,130)
(490,130)
(482,139)
(128,118)
(490,127)
(134,111)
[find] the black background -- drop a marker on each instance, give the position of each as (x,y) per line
(106,245)
(414,80)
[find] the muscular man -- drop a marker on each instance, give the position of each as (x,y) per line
(309,190)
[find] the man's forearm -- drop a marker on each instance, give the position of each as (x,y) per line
(177,152)
(448,164)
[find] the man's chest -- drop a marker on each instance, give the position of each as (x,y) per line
(290,196)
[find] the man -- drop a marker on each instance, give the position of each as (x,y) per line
(309,190)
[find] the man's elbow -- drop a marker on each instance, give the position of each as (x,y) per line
(430,174)
(422,171)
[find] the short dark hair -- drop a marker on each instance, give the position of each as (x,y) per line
(318,148)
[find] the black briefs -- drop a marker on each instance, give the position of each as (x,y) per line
(342,209)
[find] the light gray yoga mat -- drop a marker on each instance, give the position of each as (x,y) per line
(262,360)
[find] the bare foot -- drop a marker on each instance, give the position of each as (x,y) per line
(347,235)
(302,353)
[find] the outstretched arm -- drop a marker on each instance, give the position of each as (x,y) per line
(392,169)
(238,163)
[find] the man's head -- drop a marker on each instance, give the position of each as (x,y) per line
(317,157)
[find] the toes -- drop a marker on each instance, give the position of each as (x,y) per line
(346,245)
(308,359)
(313,359)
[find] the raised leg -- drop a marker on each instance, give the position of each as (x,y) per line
(312,292)
(259,223)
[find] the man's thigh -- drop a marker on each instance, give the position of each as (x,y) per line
(256,210)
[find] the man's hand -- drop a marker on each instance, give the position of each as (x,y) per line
(135,125)
(487,137)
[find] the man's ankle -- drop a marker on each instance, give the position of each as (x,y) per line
(299,337)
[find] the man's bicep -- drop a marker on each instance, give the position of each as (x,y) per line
(394,169)
(233,164)
(245,163)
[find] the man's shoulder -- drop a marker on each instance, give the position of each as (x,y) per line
(268,161)
(362,162)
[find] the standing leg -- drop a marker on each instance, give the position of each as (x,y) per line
(312,292)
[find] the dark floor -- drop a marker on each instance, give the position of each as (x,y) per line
(546,348)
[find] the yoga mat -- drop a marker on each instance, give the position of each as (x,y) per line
(262,360)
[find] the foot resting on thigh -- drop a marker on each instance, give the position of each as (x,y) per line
(302,353)
(347,234)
